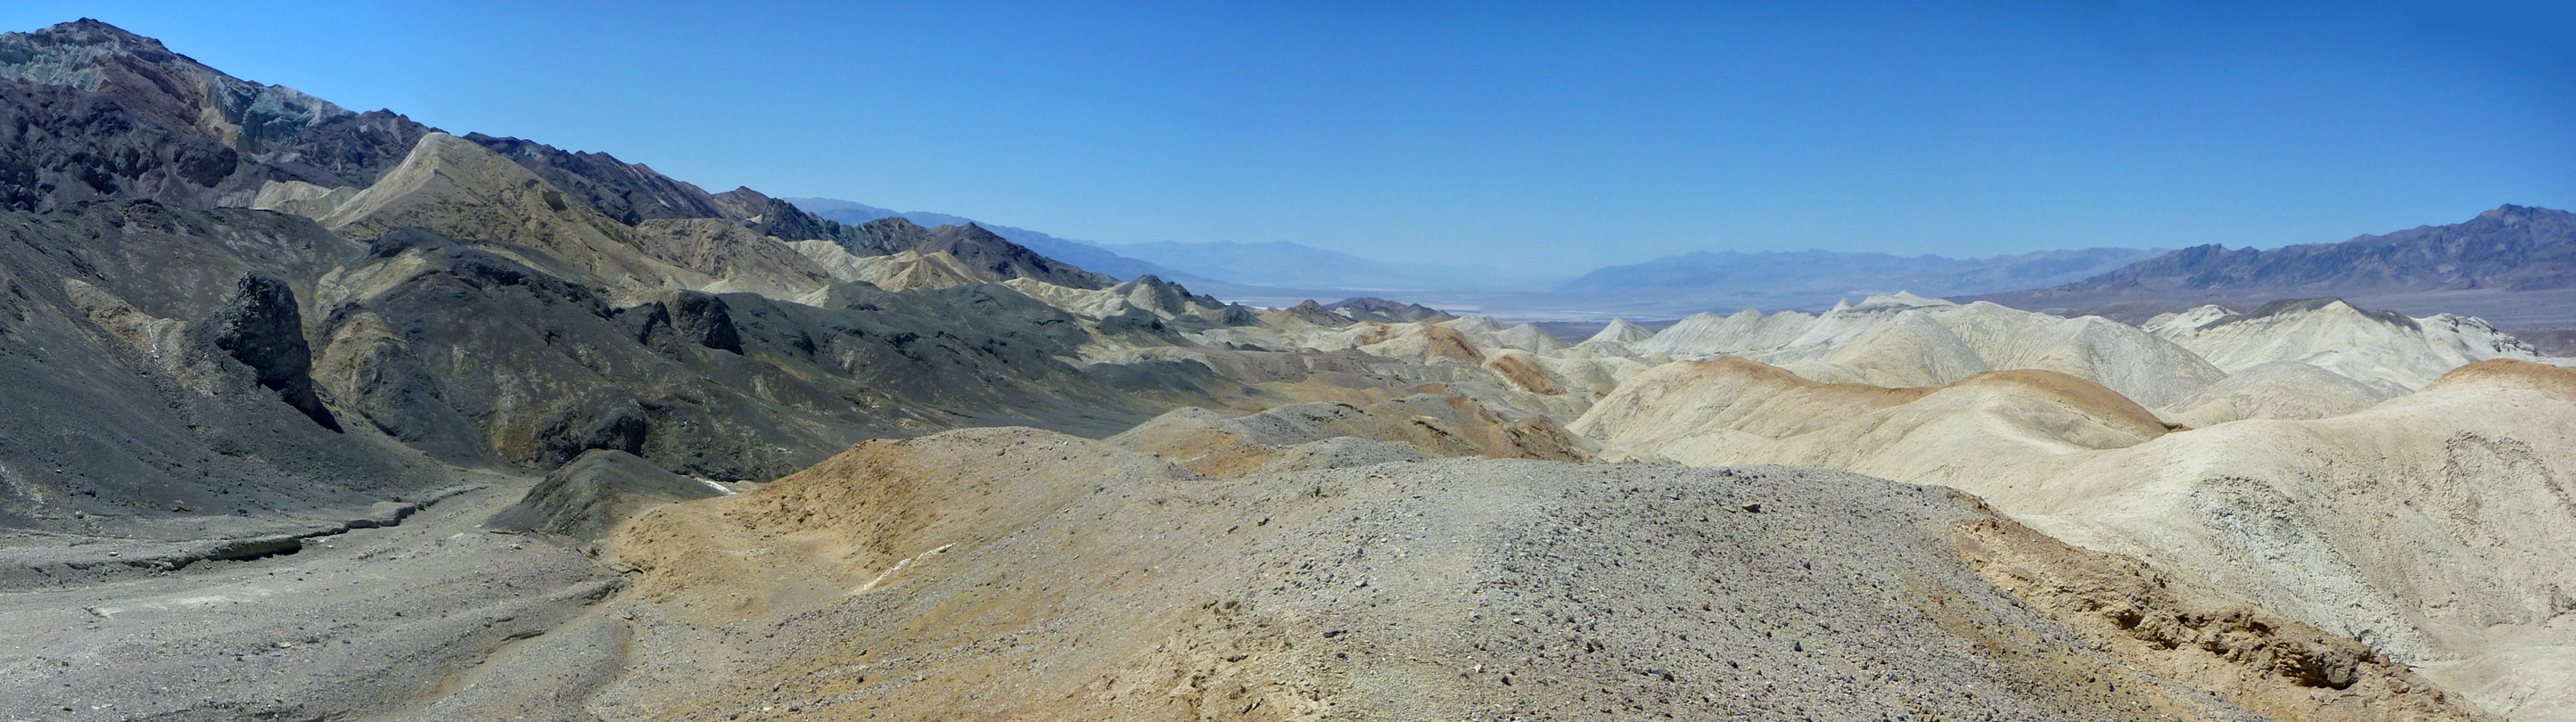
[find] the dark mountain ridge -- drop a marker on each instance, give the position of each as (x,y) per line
(163,109)
(2512,248)
(629,192)
(1088,255)
(179,358)
(306,137)
(2513,265)
(890,235)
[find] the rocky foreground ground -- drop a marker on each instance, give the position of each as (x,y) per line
(1020,574)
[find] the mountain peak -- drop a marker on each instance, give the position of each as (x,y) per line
(146,78)
(1620,331)
(2511,213)
(93,31)
(896,224)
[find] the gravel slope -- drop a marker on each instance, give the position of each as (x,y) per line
(1015,574)
(2433,526)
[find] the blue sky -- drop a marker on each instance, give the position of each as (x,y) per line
(1532,136)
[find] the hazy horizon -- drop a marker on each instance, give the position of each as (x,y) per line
(1528,138)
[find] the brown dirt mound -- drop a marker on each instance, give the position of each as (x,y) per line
(1448,343)
(2555,380)
(2093,399)
(1518,369)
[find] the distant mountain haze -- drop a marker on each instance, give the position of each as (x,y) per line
(1828,273)
(1090,256)
(2511,248)
(2514,265)
(1266,265)
(1295,265)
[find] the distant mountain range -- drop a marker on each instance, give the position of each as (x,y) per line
(1285,264)
(1250,267)
(1692,282)
(1669,286)
(2515,265)
(2510,248)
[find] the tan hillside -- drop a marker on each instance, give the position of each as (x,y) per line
(1906,340)
(2428,526)
(464,190)
(1009,574)
(2384,348)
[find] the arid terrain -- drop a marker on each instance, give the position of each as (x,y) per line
(324,415)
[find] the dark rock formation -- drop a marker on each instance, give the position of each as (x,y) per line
(61,145)
(150,333)
(127,419)
(307,136)
(262,329)
(971,243)
(1384,311)
(1315,313)
(628,192)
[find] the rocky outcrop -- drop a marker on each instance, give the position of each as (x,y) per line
(1365,308)
(2167,625)
(1308,312)
(65,145)
(147,349)
(261,328)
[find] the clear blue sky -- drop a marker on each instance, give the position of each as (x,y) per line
(1532,135)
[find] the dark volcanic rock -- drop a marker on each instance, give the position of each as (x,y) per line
(177,262)
(1315,313)
(269,123)
(352,150)
(61,145)
(262,329)
(149,333)
(127,420)
(971,243)
(630,193)
(466,355)
(1385,311)
(692,317)
(728,386)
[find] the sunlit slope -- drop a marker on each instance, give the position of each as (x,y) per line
(2433,526)
(1008,574)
